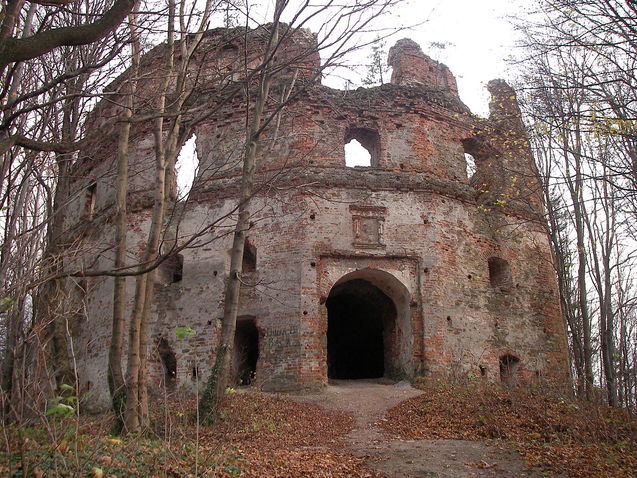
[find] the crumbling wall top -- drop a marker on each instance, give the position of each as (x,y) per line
(504,103)
(412,67)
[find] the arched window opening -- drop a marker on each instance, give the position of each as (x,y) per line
(245,351)
(508,368)
(476,153)
(186,168)
(171,270)
(169,361)
(356,155)
(499,273)
(471,164)
(249,263)
(362,147)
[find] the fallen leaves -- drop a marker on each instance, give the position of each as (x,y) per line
(260,436)
(279,438)
(583,440)
(265,436)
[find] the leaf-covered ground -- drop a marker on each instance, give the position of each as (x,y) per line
(578,439)
(264,436)
(258,436)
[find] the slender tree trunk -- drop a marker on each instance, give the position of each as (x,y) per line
(136,396)
(115,373)
(12,312)
(564,283)
(212,398)
(132,423)
(52,297)
(606,313)
(166,148)
(575,185)
(134,419)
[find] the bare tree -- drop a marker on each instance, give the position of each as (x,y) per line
(14,49)
(41,128)
(163,100)
(580,60)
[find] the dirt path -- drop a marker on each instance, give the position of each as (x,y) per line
(368,400)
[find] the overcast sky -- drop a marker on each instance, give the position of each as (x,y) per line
(476,35)
(479,38)
(473,38)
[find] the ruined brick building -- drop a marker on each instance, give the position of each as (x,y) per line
(404,268)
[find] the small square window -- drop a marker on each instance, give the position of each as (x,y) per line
(499,273)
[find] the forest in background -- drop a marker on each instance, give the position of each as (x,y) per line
(577,88)
(576,84)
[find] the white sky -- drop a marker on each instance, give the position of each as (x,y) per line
(477,35)
(477,38)
(480,38)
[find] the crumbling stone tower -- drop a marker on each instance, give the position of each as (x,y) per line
(404,268)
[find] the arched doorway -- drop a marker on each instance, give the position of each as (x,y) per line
(369,327)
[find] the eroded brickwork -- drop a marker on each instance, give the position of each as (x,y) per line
(456,272)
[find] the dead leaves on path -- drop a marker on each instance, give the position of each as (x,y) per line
(284,463)
(278,438)
(264,436)
(580,439)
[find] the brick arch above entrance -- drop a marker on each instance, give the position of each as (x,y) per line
(386,282)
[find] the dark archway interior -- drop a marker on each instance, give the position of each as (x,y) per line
(361,321)
(246,351)
(508,368)
(169,361)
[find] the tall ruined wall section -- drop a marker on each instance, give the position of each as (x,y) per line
(461,266)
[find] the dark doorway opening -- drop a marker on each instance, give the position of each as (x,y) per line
(508,368)
(169,361)
(246,351)
(361,323)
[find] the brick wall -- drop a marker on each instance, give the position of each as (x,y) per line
(415,227)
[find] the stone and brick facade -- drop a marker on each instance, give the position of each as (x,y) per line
(401,269)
